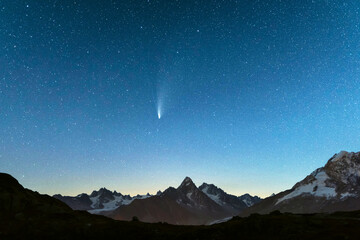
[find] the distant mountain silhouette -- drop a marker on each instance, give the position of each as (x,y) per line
(192,205)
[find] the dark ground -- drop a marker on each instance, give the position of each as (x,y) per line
(82,225)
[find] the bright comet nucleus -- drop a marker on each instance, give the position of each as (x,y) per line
(159,106)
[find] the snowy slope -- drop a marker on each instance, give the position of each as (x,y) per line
(334,187)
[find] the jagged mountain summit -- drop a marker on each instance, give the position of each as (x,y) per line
(249,200)
(99,201)
(187,193)
(185,205)
(233,203)
(334,187)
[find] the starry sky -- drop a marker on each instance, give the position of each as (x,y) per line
(253,95)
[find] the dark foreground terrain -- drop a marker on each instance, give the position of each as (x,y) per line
(25,214)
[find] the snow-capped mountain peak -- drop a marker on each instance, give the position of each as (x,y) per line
(213,192)
(344,167)
(338,179)
(187,193)
(339,156)
(249,200)
(223,199)
(187,182)
(334,187)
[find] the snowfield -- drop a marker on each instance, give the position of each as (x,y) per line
(317,188)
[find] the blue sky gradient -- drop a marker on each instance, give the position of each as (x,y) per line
(255,94)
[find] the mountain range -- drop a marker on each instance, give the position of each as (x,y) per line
(98,201)
(186,204)
(333,187)
(25,214)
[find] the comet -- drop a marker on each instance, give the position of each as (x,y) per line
(161,95)
(159,107)
(159,113)
(167,83)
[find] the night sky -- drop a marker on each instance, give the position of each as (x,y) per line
(252,95)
